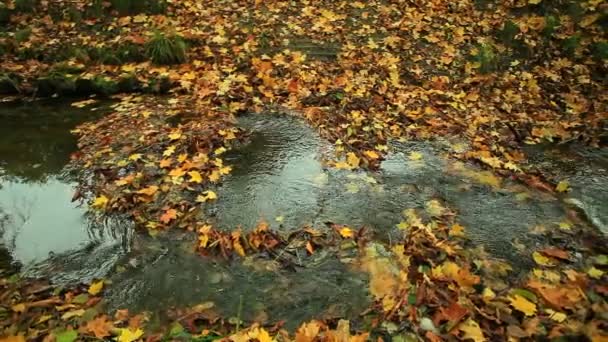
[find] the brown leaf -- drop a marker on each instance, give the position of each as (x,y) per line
(556,253)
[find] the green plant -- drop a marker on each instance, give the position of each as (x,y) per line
(23,35)
(600,50)
(508,33)
(25,5)
(485,57)
(166,48)
(551,23)
(105,86)
(571,43)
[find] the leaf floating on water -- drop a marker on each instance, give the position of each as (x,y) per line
(347,233)
(100,202)
(415,156)
(563,186)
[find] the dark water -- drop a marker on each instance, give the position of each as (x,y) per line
(279,176)
(35,189)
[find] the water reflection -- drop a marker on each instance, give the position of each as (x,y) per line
(40,219)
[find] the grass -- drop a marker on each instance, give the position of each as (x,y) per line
(165,48)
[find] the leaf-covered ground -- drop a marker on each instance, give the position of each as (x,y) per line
(493,76)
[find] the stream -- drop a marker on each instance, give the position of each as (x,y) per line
(279,176)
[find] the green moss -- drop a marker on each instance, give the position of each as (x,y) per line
(23,35)
(166,48)
(104,85)
(571,44)
(600,50)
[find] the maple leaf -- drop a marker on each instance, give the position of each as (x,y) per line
(415,156)
(149,191)
(347,233)
(165,163)
(170,214)
(100,202)
(543,260)
(206,196)
(128,335)
(471,330)
(352,160)
(307,332)
(522,304)
(371,154)
(100,327)
(195,177)
(215,176)
(562,186)
(95,288)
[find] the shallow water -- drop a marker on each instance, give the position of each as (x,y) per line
(279,176)
(35,189)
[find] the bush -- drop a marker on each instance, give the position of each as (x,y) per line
(166,49)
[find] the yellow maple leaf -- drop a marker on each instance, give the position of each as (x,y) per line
(135,157)
(522,304)
(175,135)
(563,186)
(457,230)
(347,233)
(169,151)
(100,202)
(471,330)
(352,160)
(149,191)
(415,156)
(371,154)
(128,335)
(214,176)
(543,260)
(195,177)
(96,288)
(595,273)
(206,196)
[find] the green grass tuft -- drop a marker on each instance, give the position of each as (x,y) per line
(166,48)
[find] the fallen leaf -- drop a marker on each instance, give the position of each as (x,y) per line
(522,304)
(168,215)
(100,327)
(95,288)
(128,335)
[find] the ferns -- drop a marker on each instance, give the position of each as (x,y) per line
(166,49)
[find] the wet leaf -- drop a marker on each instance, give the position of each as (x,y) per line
(206,196)
(100,327)
(168,216)
(100,202)
(471,330)
(195,177)
(128,335)
(542,260)
(415,156)
(523,305)
(95,288)
(563,186)
(347,233)
(66,336)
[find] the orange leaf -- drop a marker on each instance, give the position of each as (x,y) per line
(169,215)
(309,247)
(100,327)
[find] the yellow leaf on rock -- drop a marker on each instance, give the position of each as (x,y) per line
(96,288)
(522,304)
(206,196)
